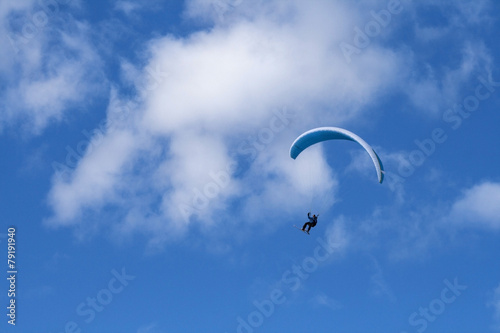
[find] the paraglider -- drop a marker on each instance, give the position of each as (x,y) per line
(321,134)
(313,220)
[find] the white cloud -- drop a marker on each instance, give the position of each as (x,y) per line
(479,206)
(199,173)
(96,179)
(47,71)
(230,77)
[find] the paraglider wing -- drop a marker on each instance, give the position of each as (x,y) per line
(320,134)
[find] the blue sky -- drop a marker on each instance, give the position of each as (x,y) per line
(145,165)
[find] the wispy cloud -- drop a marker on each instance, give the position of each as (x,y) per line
(401,231)
(413,230)
(379,285)
(437,89)
(495,304)
(439,86)
(48,71)
(323,300)
(149,328)
(338,236)
(127,7)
